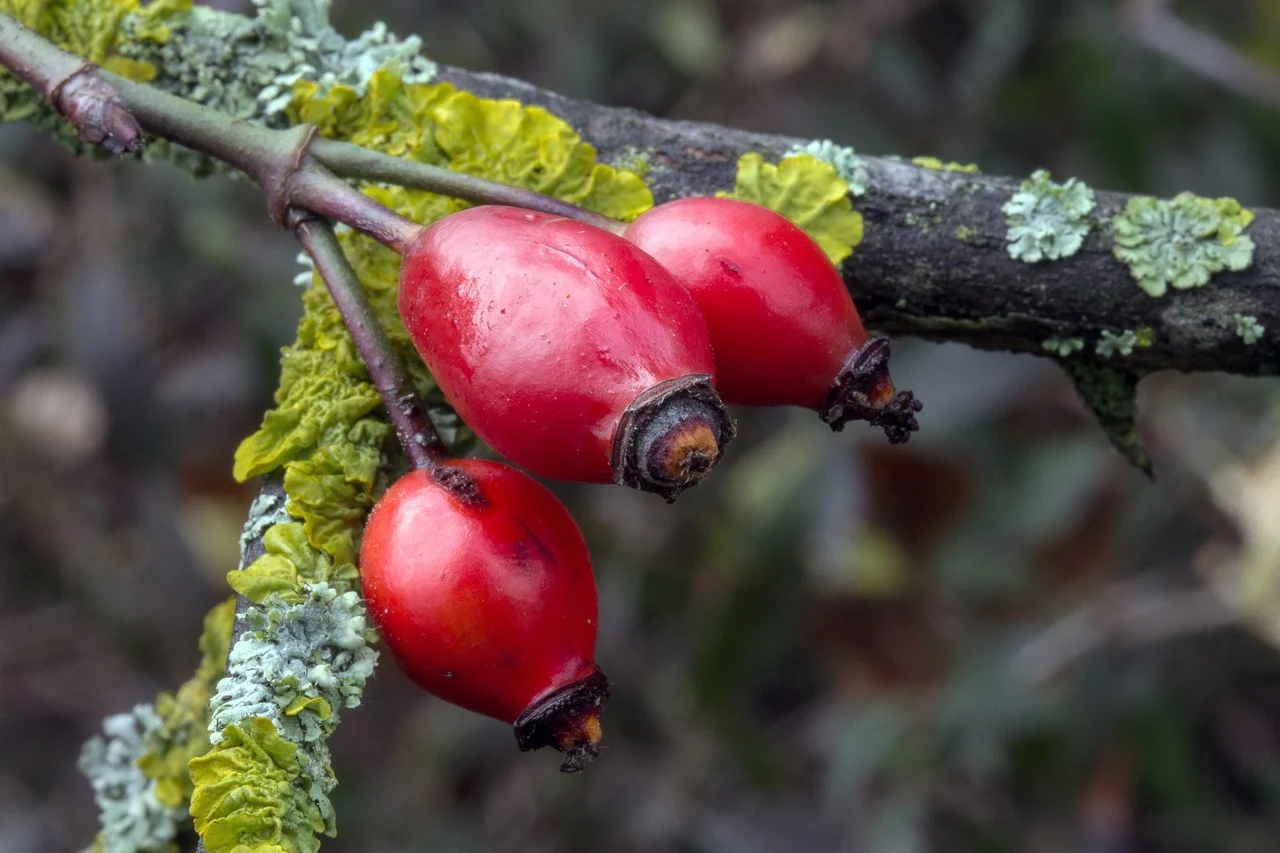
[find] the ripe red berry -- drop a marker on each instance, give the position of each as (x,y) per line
(480,583)
(566,348)
(782,323)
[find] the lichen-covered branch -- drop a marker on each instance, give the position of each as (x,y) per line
(928,249)
(934,259)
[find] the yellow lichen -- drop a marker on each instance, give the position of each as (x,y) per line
(939,166)
(809,192)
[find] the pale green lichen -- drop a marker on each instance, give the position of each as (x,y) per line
(134,820)
(1109,343)
(1182,242)
(632,159)
(267,509)
(848,165)
(1063,347)
(296,664)
(1248,328)
(939,166)
(247,66)
(1047,221)
(139,773)
(242,66)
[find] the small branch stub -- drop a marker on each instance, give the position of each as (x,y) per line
(671,436)
(75,87)
(569,720)
(418,436)
(863,391)
(97,111)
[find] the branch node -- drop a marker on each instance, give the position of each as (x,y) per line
(275,177)
(96,110)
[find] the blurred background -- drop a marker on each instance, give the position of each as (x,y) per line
(996,638)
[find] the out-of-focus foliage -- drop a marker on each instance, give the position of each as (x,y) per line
(994,638)
(133,817)
(183,732)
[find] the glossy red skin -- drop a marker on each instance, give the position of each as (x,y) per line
(781,319)
(542,330)
(490,607)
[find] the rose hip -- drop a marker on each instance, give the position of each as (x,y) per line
(481,585)
(782,323)
(566,348)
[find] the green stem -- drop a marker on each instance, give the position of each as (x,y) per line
(354,161)
(317,189)
(289,166)
(251,148)
(40,64)
(417,434)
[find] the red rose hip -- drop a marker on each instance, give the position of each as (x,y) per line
(782,323)
(481,585)
(566,348)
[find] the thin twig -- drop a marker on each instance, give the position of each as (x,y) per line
(1127,615)
(422,443)
(318,190)
(354,161)
(1152,24)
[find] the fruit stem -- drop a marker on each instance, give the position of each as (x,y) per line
(354,161)
(417,434)
(319,190)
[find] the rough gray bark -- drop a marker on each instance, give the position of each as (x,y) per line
(912,274)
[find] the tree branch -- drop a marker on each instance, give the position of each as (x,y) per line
(914,275)
(72,86)
(1152,24)
(933,262)
(354,161)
